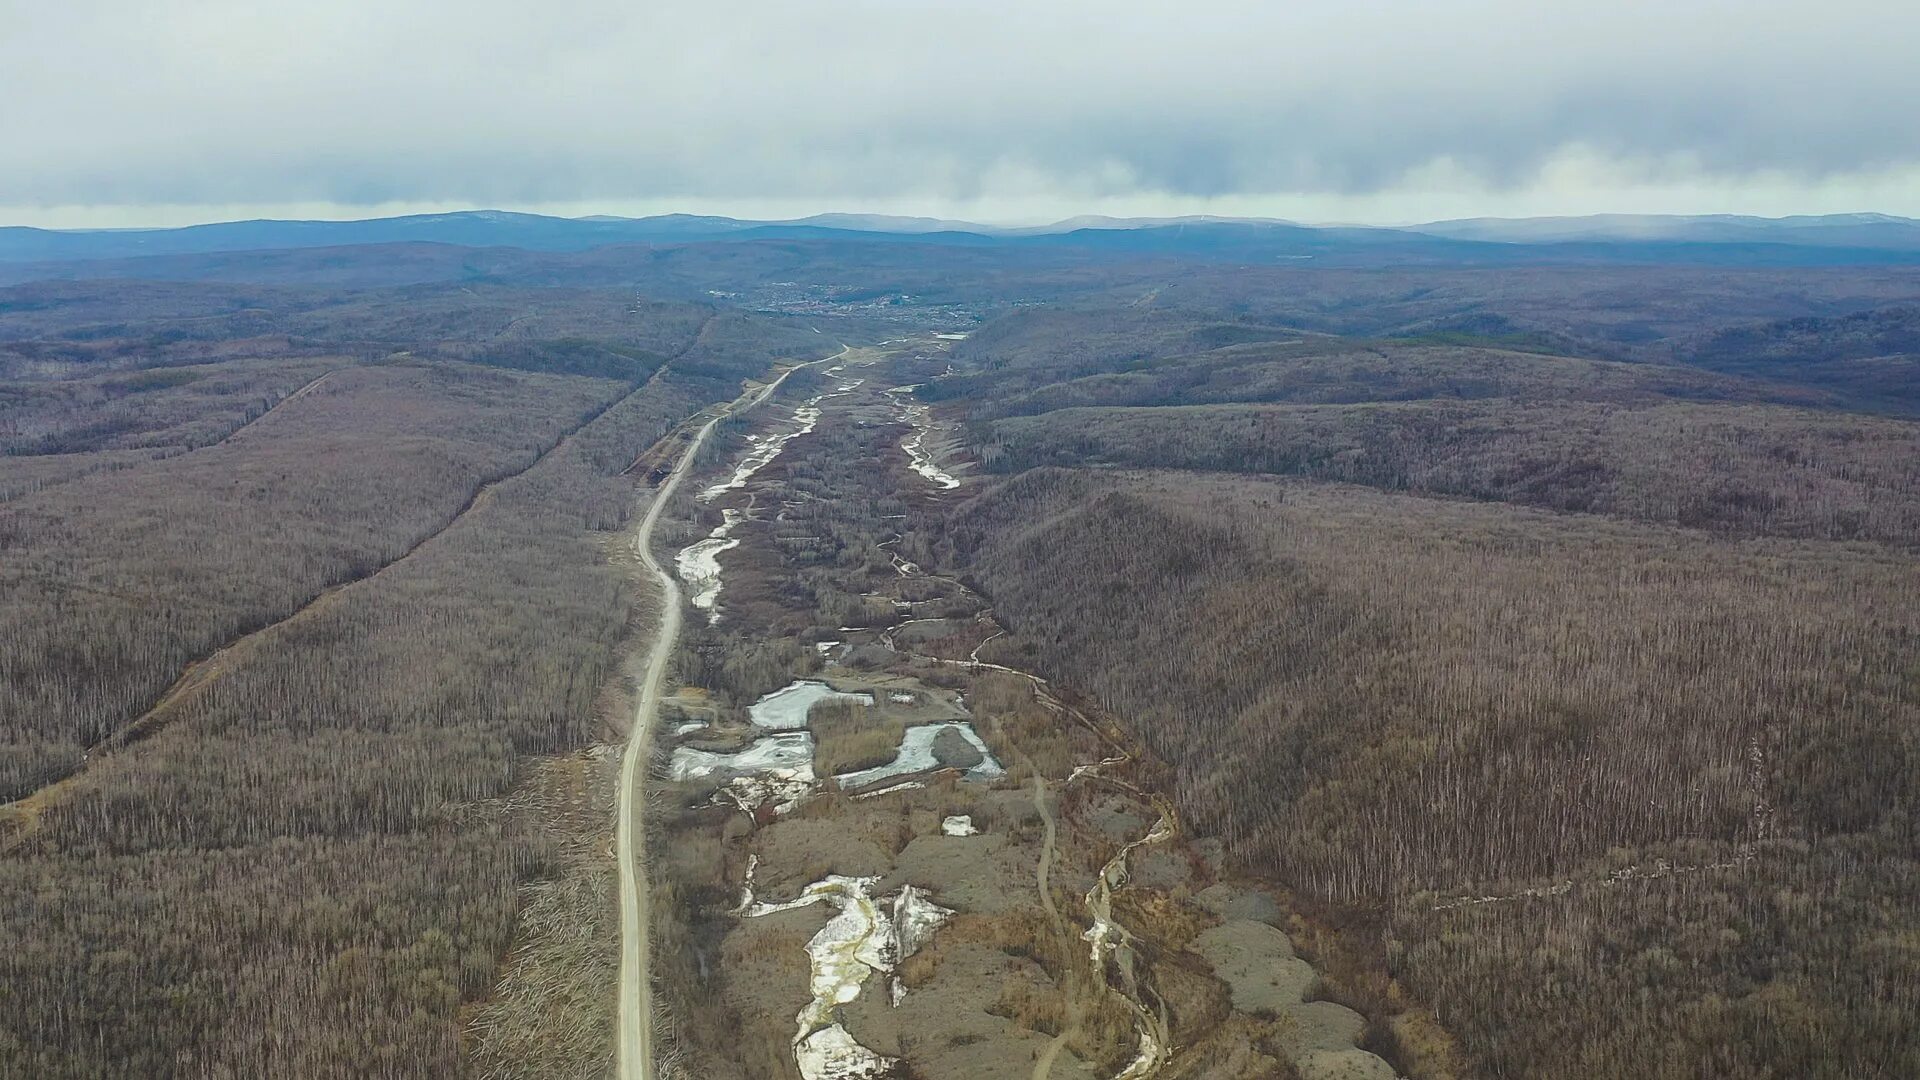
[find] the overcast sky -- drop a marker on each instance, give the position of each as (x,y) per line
(168,111)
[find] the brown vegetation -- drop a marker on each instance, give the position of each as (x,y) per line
(1619,789)
(115,581)
(1388,700)
(318,865)
(1755,470)
(849,736)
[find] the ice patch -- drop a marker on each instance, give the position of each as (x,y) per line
(779,789)
(916,755)
(786,709)
(763,449)
(787,755)
(904,785)
(858,941)
(698,564)
(829,1053)
(920,459)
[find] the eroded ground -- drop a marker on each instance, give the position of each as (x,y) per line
(887,851)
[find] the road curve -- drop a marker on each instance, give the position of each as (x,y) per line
(636,1050)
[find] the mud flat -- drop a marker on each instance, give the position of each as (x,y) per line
(1267,978)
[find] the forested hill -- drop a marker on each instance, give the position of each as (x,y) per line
(302,594)
(1587,686)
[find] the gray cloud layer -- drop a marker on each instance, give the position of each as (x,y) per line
(852,102)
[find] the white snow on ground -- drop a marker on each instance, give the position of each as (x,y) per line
(781,788)
(904,785)
(921,459)
(775,769)
(859,940)
(764,449)
(786,709)
(1106,937)
(829,1053)
(698,564)
(916,755)
(960,825)
(951,337)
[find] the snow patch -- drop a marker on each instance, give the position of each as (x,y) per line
(763,449)
(959,825)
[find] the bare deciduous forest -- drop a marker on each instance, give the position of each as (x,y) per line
(115,581)
(1550,635)
(1585,695)
(1746,470)
(312,867)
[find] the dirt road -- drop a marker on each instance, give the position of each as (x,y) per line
(636,1049)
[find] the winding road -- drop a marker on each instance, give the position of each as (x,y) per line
(636,1049)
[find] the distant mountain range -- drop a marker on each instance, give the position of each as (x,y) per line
(1829,230)
(1712,238)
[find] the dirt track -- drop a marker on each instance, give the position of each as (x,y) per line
(636,1043)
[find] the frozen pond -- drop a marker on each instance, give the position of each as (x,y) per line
(786,709)
(916,755)
(787,755)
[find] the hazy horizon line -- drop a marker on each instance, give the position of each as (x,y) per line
(57,219)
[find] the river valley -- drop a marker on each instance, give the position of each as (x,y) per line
(867,819)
